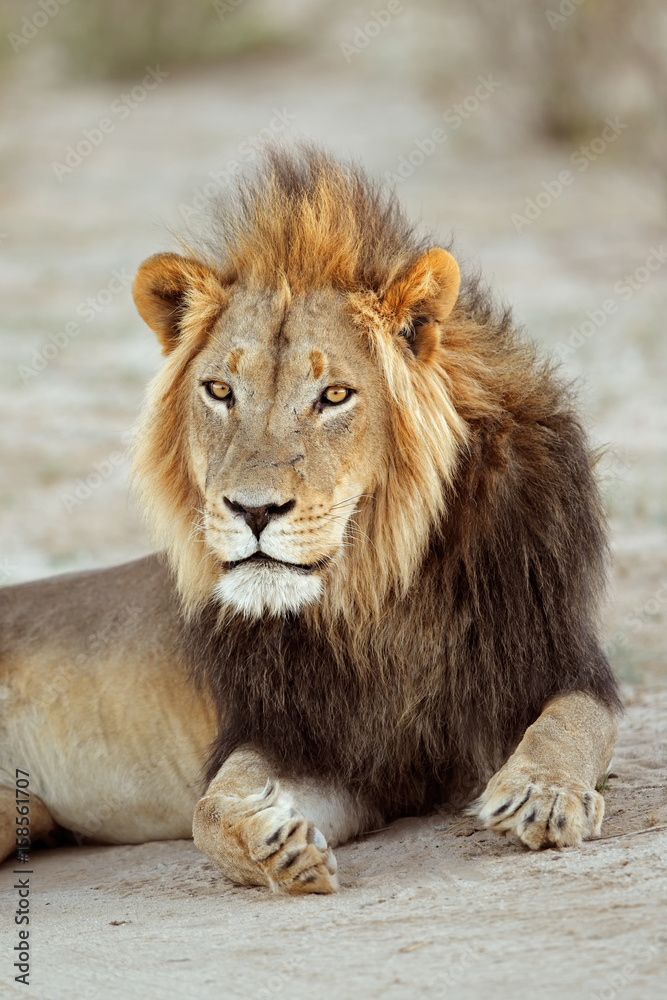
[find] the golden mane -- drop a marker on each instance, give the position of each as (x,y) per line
(469,595)
(301,222)
(306,220)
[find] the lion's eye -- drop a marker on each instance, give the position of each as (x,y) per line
(335,394)
(218,390)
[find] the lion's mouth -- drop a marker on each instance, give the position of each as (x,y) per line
(262,559)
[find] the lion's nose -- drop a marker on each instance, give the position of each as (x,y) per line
(257,518)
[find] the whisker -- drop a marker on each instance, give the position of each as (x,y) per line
(350,499)
(354,531)
(359,532)
(352,527)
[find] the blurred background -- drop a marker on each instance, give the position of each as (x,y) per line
(534,131)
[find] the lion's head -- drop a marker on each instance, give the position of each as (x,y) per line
(297,445)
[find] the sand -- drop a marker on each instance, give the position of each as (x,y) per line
(428,907)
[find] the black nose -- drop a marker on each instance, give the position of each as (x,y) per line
(257,518)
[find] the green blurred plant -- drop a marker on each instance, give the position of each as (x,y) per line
(117,39)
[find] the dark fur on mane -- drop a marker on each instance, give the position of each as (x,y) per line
(429,697)
(433,697)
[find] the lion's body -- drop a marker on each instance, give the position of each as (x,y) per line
(385,550)
(96,706)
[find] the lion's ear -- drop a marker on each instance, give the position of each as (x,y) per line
(161,290)
(423,298)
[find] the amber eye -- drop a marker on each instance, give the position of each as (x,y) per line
(219,390)
(335,394)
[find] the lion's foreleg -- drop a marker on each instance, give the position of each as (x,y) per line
(545,794)
(261,831)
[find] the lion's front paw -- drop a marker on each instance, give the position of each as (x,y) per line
(539,807)
(263,839)
(292,852)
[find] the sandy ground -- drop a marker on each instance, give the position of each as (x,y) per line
(428,907)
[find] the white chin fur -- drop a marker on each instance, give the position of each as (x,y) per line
(257,590)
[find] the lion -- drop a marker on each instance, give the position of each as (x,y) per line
(381,554)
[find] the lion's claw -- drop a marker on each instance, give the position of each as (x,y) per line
(538,807)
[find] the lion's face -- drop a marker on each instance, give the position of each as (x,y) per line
(288,432)
(297,444)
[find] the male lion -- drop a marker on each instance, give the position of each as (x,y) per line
(383,554)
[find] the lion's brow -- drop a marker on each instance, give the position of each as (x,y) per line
(233,359)
(318,363)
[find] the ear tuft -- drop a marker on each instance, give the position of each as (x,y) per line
(422,335)
(421,300)
(161,290)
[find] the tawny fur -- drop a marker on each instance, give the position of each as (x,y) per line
(470,595)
